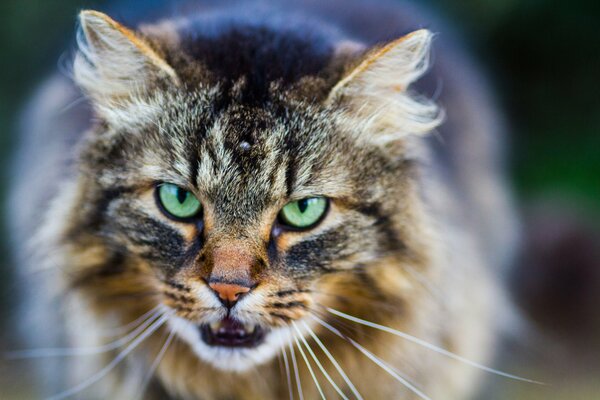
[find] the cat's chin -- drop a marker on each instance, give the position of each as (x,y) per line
(261,349)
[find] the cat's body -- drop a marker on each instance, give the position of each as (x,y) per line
(418,225)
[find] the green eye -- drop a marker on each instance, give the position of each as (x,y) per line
(304,213)
(178,202)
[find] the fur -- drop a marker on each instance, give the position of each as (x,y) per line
(249,111)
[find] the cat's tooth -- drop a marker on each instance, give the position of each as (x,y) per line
(249,328)
(214,326)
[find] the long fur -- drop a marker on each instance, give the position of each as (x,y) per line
(249,111)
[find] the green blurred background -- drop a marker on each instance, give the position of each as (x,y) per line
(543,58)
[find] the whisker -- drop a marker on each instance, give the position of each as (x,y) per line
(120,357)
(333,361)
(309,368)
(156,363)
(431,347)
(316,360)
(280,363)
(382,364)
(344,326)
(83,351)
(72,104)
(111,332)
(296,371)
(287,372)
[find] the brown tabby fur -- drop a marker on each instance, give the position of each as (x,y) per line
(410,240)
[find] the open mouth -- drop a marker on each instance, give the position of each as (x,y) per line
(231,333)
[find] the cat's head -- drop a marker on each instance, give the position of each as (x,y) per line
(241,194)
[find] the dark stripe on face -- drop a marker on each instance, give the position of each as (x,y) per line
(291,304)
(210,151)
(177,286)
(179,297)
(290,175)
(272,253)
(194,249)
(317,253)
(284,293)
(94,220)
(285,318)
(194,162)
(292,148)
(390,237)
(273,174)
(161,243)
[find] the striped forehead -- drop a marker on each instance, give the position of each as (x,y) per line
(241,159)
(241,173)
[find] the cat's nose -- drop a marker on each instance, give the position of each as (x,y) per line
(229,293)
(233,267)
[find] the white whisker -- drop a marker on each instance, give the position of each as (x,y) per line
(120,357)
(156,363)
(287,373)
(117,331)
(310,370)
(430,346)
(72,104)
(376,360)
(83,351)
(316,360)
(280,363)
(333,361)
(296,371)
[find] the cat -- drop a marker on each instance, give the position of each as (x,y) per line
(223,196)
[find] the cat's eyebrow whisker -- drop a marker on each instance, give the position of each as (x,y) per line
(84,351)
(156,363)
(430,346)
(316,360)
(120,357)
(310,370)
(378,361)
(287,373)
(333,361)
(296,371)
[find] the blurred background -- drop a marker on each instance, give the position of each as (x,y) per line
(543,59)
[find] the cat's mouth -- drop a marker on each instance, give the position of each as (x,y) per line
(229,332)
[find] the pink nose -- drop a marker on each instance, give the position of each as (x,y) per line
(228,292)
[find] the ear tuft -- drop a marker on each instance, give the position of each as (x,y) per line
(377,89)
(113,62)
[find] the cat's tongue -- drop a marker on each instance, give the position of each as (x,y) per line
(232,333)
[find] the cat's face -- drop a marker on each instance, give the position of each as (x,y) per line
(237,214)
(238,219)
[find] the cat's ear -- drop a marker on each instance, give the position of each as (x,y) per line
(377,90)
(114,63)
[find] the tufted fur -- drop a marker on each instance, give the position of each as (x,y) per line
(249,113)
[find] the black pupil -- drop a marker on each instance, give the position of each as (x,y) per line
(302,205)
(181,195)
